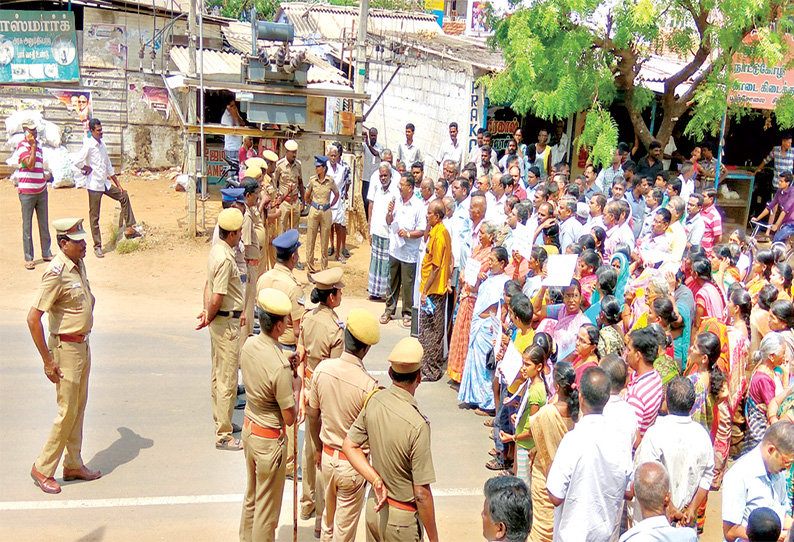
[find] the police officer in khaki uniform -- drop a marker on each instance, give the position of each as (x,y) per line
(340,387)
(250,237)
(400,503)
(273,390)
(269,210)
(321,337)
(318,195)
(282,278)
(65,294)
(289,181)
(223,307)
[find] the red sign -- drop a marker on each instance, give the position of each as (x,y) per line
(761,85)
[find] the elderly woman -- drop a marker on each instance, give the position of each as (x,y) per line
(562,321)
(459,342)
(637,308)
(476,386)
(765,384)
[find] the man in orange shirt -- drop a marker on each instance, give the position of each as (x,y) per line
(436,275)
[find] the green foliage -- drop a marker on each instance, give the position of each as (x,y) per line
(239,9)
(600,135)
(784,112)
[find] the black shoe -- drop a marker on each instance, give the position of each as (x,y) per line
(345,253)
(240,404)
(330,251)
(236,428)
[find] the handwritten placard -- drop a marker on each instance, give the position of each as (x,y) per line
(471,272)
(560,269)
(511,363)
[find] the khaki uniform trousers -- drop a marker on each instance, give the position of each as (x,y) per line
(251,276)
(344,495)
(312,497)
(267,259)
(265,463)
(318,220)
(391,524)
(74,359)
(289,210)
(225,345)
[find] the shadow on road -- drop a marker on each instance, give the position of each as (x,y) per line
(304,533)
(123,450)
(97,535)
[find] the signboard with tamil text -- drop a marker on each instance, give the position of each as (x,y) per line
(760,85)
(38,46)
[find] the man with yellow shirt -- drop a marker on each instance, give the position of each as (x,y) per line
(436,275)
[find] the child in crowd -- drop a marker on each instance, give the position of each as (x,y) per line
(586,267)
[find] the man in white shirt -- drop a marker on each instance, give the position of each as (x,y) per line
(559,151)
(597,204)
(231,142)
(452,149)
(94,162)
(608,174)
(687,178)
(407,221)
(694,226)
(590,473)
(570,227)
(408,152)
(476,155)
(651,491)
(486,167)
(618,411)
(381,193)
(372,160)
(684,447)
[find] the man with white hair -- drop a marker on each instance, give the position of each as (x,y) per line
(652,491)
(381,192)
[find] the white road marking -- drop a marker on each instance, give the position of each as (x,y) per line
(10,506)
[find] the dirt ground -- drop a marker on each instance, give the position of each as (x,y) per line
(169,262)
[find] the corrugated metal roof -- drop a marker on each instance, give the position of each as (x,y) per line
(329,22)
(228,63)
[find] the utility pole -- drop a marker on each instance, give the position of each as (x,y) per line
(358,86)
(190,143)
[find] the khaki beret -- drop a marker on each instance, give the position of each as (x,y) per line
(256,161)
(329,279)
(270,155)
(230,219)
(274,301)
(363,326)
(71,228)
(291,145)
(406,356)
(253,172)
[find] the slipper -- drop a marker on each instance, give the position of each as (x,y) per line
(30,266)
(233,445)
(506,472)
(481,412)
(493,453)
(385,319)
(407,322)
(488,423)
(490,435)
(496,464)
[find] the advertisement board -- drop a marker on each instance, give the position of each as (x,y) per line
(38,46)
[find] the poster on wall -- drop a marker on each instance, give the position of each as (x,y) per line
(78,102)
(760,85)
(38,46)
(105,46)
(502,123)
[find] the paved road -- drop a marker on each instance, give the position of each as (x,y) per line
(149,430)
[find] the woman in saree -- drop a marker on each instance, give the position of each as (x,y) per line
(606,281)
(586,351)
(476,386)
(781,320)
(759,272)
(759,316)
(745,261)
(547,428)
(781,277)
(765,385)
(610,336)
(620,263)
(562,321)
(782,408)
(599,235)
(459,342)
(708,300)
(637,307)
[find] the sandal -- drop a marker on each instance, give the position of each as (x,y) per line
(496,464)
(232,445)
(488,423)
(490,435)
(506,472)
(385,318)
(30,266)
(407,322)
(493,452)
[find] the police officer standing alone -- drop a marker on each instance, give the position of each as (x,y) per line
(65,294)
(401,468)
(273,391)
(223,307)
(288,178)
(340,388)
(281,278)
(318,195)
(322,337)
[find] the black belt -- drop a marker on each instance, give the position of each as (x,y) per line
(321,207)
(233,314)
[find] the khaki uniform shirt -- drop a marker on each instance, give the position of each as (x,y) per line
(399,441)
(281,278)
(65,294)
(339,388)
(224,277)
(320,191)
(249,237)
(267,376)
(322,335)
(287,177)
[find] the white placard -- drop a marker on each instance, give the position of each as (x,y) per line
(523,243)
(471,272)
(511,363)
(560,269)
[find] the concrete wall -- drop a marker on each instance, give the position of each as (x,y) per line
(429,95)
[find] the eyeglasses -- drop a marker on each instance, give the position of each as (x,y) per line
(571,296)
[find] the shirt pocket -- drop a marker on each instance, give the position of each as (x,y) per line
(75,297)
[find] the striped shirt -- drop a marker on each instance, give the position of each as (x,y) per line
(644,395)
(713,222)
(31,181)
(783,162)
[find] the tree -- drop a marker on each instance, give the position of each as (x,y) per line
(567,56)
(240,9)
